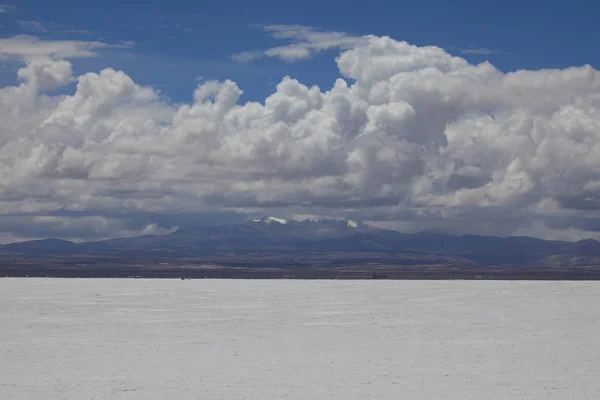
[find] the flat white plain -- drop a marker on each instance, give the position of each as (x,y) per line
(220,339)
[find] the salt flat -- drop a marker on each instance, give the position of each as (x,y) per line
(213,339)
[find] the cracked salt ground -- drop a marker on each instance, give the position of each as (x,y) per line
(212,339)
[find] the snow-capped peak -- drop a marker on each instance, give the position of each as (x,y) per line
(268,220)
(322,223)
(350,223)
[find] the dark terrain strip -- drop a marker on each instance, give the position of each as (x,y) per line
(257,272)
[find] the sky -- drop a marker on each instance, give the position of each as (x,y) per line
(121,118)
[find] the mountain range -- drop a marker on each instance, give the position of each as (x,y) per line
(278,235)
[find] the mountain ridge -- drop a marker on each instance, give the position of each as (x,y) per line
(278,235)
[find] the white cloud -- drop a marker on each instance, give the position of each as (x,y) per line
(25,46)
(79,31)
(480,51)
(37,27)
(247,56)
(304,42)
(408,137)
(45,73)
(32,26)
(5,8)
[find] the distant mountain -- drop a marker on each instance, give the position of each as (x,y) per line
(272,234)
(41,246)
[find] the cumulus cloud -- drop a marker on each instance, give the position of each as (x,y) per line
(25,46)
(408,137)
(304,41)
(5,8)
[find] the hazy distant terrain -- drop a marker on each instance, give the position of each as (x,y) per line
(277,235)
(277,248)
(217,339)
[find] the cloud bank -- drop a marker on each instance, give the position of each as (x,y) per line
(408,137)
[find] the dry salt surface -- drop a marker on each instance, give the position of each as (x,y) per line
(219,339)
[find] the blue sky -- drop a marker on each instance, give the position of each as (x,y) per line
(177,41)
